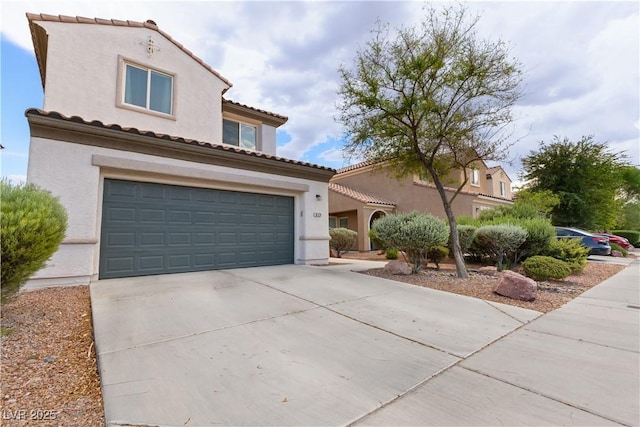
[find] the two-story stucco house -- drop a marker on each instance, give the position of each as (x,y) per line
(361,193)
(158,172)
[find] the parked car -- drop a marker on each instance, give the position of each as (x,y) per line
(618,240)
(597,244)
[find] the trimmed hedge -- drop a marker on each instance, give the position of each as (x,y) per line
(413,233)
(541,268)
(33,224)
(342,239)
(500,242)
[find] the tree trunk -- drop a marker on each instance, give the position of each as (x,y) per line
(458,256)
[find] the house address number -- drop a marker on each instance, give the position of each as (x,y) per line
(317,214)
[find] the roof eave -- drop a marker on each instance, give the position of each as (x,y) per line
(76,130)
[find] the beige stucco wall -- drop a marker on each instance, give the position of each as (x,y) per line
(83,65)
(75,174)
(407,195)
(494,185)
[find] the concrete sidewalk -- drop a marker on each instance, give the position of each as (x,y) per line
(585,355)
(294,345)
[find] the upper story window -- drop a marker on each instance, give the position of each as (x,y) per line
(503,188)
(475,177)
(239,134)
(148,89)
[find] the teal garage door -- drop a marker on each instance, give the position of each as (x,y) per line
(152,228)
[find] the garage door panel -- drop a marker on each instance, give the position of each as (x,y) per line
(152,228)
(120,215)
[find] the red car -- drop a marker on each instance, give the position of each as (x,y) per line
(618,240)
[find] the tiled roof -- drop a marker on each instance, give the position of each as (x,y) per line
(356,166)
(358,195)
(116,127)
(81,20)
(269,113)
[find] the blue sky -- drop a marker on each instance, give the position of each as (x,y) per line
(581,63)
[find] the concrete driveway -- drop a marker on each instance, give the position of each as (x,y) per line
(295,345)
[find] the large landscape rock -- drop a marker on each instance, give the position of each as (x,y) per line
(516,286)
(397,267)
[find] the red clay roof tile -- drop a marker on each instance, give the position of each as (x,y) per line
(359,195)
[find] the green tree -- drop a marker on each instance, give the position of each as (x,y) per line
(629,216)
(543,201)
(585,175)
(429,100)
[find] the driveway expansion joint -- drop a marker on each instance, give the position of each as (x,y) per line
(530,390)
(581,340)
(207,331)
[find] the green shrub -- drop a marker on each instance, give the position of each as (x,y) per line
(633,236)
(570,251)
(499,242)
(619,248)
(541,268)
(437,254)
(540,234)
(379,244)
(391,253)
(342,239)
(33,225)
(516,210)
(414,234)
(466,234)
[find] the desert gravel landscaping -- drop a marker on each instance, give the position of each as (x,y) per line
(49,368)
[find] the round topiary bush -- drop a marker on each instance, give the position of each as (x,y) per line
(414,234)
(500,242)
(342,239)
(33,224)
(541,268)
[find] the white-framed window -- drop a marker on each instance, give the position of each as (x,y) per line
(148,88)
(333,222)
(503,188)
(343,222)
(241,135)
(475,177)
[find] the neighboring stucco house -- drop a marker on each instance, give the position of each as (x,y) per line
(361,193)
(158,172)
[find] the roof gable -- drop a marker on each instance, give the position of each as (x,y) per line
(40,38)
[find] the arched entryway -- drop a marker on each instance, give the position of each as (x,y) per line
(375,215)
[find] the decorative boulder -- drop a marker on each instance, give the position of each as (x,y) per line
(617,254)
(397,267)
(488,270)
(516,286)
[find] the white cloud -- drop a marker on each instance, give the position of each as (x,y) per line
(580,58)
(333,155)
